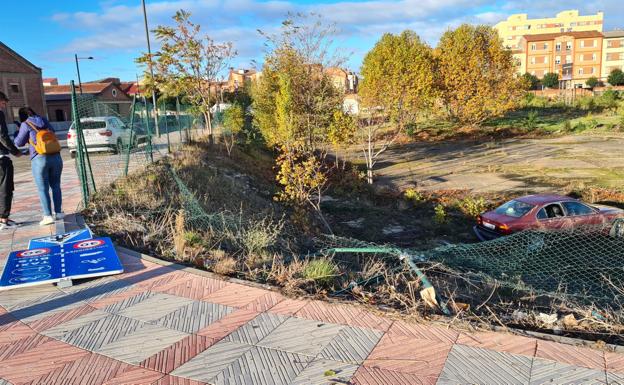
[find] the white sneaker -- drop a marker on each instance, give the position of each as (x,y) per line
(59,216)
(8,225)
(47,220)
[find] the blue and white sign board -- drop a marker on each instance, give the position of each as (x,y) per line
(59,239)
(83,259)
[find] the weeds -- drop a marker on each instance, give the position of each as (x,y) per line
(531,120)
(440,216)
(322,271)
(413,195)
(472,207)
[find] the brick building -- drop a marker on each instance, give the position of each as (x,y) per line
(21,81)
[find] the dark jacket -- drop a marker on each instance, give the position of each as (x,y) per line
(6,144)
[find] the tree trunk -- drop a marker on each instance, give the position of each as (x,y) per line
(369,174)
(208,125)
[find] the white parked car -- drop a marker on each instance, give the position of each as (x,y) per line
(106,133)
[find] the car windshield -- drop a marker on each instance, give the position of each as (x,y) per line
(514,209)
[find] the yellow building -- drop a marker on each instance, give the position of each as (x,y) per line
(612,52)
(516,26)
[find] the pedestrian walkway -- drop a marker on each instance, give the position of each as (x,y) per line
(163,324)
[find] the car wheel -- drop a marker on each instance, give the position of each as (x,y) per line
(617,229)
(118,147)
(72,154)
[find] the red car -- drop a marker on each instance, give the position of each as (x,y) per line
(542,211)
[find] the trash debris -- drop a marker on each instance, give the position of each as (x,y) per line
(569,321)
(518,315)
(547,319)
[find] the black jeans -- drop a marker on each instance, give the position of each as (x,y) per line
(6,186)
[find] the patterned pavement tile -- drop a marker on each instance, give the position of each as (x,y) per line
(423,358)
(374,376)
(127,301)
(4,382)
(138,345)
(60,330)
(92,369)
(212,361)
(98,289)
(572,355)
(177,354)
(155,307)
(549,372)
(466,364)
(59,318)
(228,324)
(135,376)
(501,342)
(45,306)
(99,333)
(114,297)
(18,346)
(195,287)
(288,306)
(615,378)
(262,366)
(424,331)
(351,345)
(255,330)
(235,295)
(330,313)
(366,319)
(24,297)
(15,332)
(615,362)
(265,302)
(194,316)
(173,380)
(29,365)
(325,372)
(301,336)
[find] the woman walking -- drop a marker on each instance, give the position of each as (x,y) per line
(46,161)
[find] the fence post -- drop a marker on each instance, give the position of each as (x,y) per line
(149,131)
(80,165)
(131,141)
(166,127)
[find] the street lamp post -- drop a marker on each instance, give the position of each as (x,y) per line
(78,69)
(151,68)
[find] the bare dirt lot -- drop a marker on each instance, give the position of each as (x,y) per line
(511,165)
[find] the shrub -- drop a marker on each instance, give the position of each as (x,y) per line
(531,120)
(322,271)
(440,216)
(410,129)
(592,124)
(567,126)
(592,82)
(413,195)
(192,238)
(587,103)
(616,78)
(550,80)
(580,127)
(472,207)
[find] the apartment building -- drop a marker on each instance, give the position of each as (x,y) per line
(575,56)
(612,52)
(516,26)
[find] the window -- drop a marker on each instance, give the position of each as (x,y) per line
(553,210)
(582,43)
(545,59)
(14,87)
(114,92)
(595,43)
(545,45)
(568,46)
(593,70)
(577,208)
(542,214)
(558,60)
(558,47)
(581,57)
(572,24)
(59,114)
(568,59)
(580,71)
(594,57)
(514,209)
(533,47)
(533,60)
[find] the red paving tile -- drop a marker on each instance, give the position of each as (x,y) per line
(59,318)
(573,355)
(19,346)
(194,287)
(501,342)
(366,319)
(331,313)
(288,306)
(265,302)
(615,362)
(375,376)
(15,332)
(423,358)
(172,380)
(228,324)
(35,363)
(92,369)
(423,331)
(177,354)
(235,295)
(135,375)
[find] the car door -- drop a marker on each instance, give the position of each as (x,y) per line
(581,214)
(552,216)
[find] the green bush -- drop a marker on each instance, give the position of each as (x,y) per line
(472,207)
(592,124)
(440,216)
(587,103)
(567,126)
(192,238)
(413,195)
(580,127)
(530,122)
(322,271)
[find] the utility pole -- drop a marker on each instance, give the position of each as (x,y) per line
(151,67)
(78,69)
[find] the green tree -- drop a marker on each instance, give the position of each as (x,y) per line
(233,123)
(616,77)
(341,132)
(550,80)
(531,81)
(477,74)
(188,62)
(609,100)
(398,83)
(592,82)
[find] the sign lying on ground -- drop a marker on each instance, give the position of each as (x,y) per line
(87,258)
(59,239)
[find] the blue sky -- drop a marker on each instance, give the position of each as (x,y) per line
(112,30)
